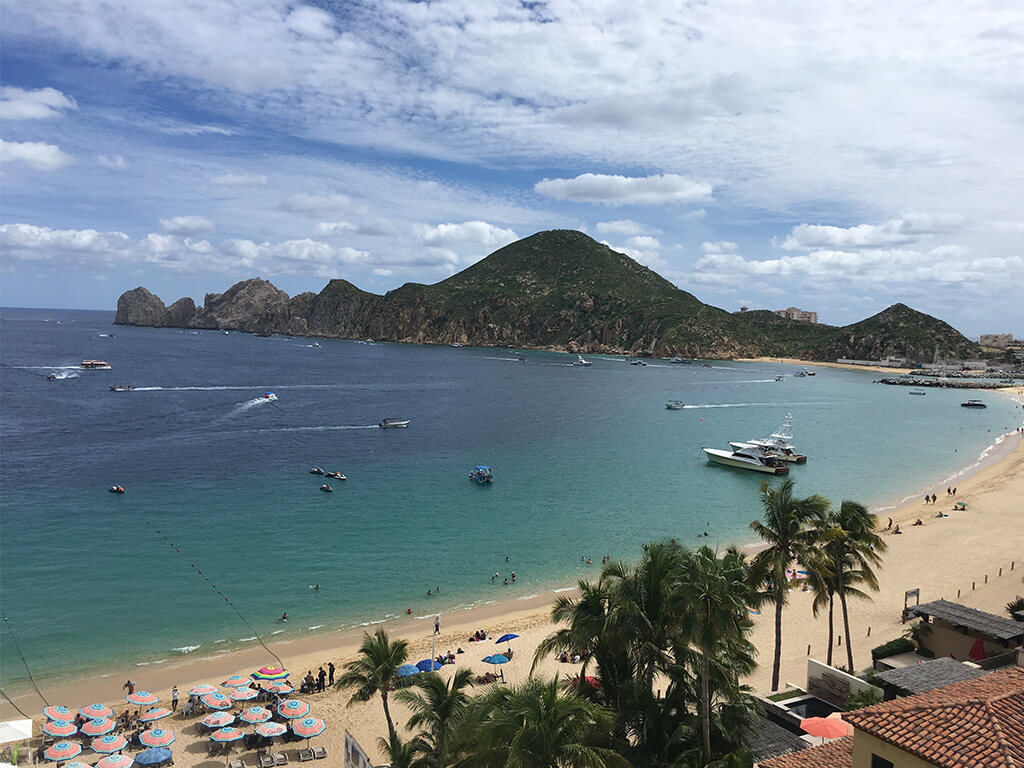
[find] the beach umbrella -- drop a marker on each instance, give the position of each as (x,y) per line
(236,681)
(243,694)
(202,689)
(218,720)
(151,757)
(115,761)
(496,659)
(96,710)
(142,698)
(256,715)
(157,737)
(58,712)
(280,686)
(270,730)
(157,713)
(407,669)
(109,744)
(269,673)
(506,638)
(216,701)
(825,727)
(308,727)
(62,750)
(294,709)
(99,726)
(59,728)
(227,734)
(428,665)
(77,764)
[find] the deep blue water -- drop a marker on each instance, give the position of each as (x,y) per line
(587,462)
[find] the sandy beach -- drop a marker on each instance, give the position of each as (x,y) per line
(816,364)
(974,556)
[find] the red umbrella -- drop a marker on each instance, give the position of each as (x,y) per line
(826,727)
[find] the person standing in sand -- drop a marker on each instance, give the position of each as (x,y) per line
(330,673)
(174,699)
(130,687)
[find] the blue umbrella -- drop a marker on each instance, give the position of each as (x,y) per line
(496,659)
(153,756)
(428,665)
(506,638)
(407,669)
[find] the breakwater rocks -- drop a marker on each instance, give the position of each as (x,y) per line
(908,381)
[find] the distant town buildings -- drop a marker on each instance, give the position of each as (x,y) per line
(1001,340)
(798,314)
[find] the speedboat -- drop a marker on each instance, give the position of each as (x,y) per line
(335,475)
(779,443)
(116,489)
(326,488)
(51,377)
(481,474)
(269,396)
(918,392)
(316,471)
(751,457)
(674,405)
(456,345)
(98,364)
(973,404)
(394,423)
(637,362)
(120,387)
(579,362)
(676,360)
(780,378)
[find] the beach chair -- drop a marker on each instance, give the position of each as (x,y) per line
(266,761)
(319,752)
(236,764)
(305,755)
(280,758)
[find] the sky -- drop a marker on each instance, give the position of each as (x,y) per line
(837,157)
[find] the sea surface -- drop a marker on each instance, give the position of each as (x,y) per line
(587,462)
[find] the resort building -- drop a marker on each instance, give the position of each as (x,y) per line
(798,314)
(967,634)
(926,676)
(1001,340)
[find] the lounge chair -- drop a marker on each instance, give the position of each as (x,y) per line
(280,758)
(319,752)
(305,755)
(236,764)
(266,761)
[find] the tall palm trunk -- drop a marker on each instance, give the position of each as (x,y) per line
(705,701)
(777,661)
(387,714)
(846,628)
(831,628)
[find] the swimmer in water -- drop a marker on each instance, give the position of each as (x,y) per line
(317,587)
(284,616)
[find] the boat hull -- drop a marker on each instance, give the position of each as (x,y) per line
(728,460)
(793,458)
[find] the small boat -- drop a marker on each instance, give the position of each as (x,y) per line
(394,423)
(116,489)
(335,475)
(326,488)
(808,372)
(579,362)
(456,345)
(120,387)
(481,474)
(638,362)
(779,443)
(97,364)
(751,457)
(918,392)
(51,377)
(677,360)
(780,378)
(269,396)
(973,404)
(705,365)
(316,471)
(225,333)
(674,405)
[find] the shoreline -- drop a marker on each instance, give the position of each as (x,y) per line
(821,364)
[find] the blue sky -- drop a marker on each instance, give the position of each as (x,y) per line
(766,154)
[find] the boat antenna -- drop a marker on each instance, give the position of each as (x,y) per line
(227,600)
(23,661)
(15,705)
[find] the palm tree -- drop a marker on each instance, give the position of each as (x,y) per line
(436,708)
(586,617)
(784,528)
(375,671)
(821,577)
(538,725)
(400,754)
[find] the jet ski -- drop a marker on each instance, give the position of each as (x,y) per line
(326,488)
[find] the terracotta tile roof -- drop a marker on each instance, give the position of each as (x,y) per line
(972,724)
(835,754)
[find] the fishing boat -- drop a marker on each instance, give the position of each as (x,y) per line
(579,362)
(674,405)
(96,364)
(120,387)
(778,443)
(394,423)
(269,396)
(335,475)
(751,457)
(973,404)
(481,474)
(918,392)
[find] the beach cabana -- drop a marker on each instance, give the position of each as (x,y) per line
(62,750)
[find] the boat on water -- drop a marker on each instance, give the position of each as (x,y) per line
(96,364)
(779,443)
(481,474)
(579,362)
(751,457)
(678,361)
(394,423)
(973,404)
(120,387)
(51,377)
(326,488)
(316,471)
(780,378)
(675,405)
(269,396)
(918,392)
(116,489)
(638,362)
(456,345)
(335,475)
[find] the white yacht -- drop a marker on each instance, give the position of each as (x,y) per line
(394,423)
(780,443)
(750,457)
(579,362)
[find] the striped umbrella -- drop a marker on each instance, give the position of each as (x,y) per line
(269,673)
(236,681)
(58,712)
(109,744)
(99,726)
(293,709)
(142,698)
(157,737)
(243,694)
(270,730)
(281,686)
(202,689)
(256,715)
(77,764)
(59,728)
(62,750)
(157,713)
(115,761)
(96,710)
(216,701)
(227,734)
(218,720)
(309,727)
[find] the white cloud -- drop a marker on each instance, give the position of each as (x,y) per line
(372,226)
(722,246)
(187,225)
(695,215)
(240,179)
(112,161)
(626,190)
(319,205)
(20,104)
(626,227)
(900,231)
(32,243)
(644,242)
(469,233)
(308,21)
(34,154)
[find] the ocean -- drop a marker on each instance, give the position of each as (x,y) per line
(587,462)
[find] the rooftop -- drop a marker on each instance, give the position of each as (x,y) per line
(929,675)
(767,739)
(962,617)
(835,754)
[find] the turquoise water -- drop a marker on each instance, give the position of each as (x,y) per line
(587,462)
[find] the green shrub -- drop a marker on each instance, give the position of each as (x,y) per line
(788,694)
(928,653)
(860,699)
(892,648)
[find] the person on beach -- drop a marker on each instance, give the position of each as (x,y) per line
(889,528)
(174,699)
(330,673)
(321,680)
(954,491)
(130,687)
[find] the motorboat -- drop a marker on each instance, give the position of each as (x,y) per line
(677,360)
(335,475)
(918,392)
(120,387)
(269,396)
(481,474)
(638,362)
(579,362)
(778,443)
(456,345)
(51,377)
(973,404)
(96,364)
(116,489)
(326,488)
(316,471)
(674,405)
(751,457)
(394,423)
(780,378)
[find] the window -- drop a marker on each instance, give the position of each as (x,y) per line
(880,762)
